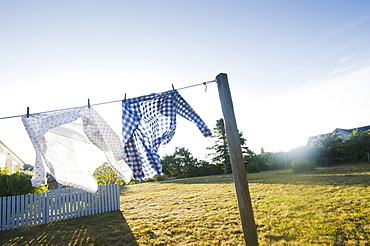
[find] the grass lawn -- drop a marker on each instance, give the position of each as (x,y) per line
(329,206)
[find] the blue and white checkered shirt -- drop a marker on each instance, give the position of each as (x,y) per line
(148,122)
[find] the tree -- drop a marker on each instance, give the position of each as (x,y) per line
(184,160)
(169,166)
(182,164)
(262,160)
(205,168)
(358,144)
(332,147)
(326,147)
(106,175)
(179,163)
(220,148)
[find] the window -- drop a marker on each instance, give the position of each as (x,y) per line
(14,166)
(2,160)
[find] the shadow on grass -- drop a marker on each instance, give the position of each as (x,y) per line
(102,229)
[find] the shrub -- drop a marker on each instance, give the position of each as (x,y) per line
(158,178)
(253,167)
(302,165)
(106,175)
(161,177)
(17,183)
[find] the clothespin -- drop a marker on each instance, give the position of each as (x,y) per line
(88,102)
(173,88)
(125,97)
(28,112)
(205,83)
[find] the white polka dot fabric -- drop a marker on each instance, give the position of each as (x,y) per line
(56,138)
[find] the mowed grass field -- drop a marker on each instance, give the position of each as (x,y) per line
(329,206)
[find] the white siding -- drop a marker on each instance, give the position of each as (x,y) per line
(14,166)
(2,160)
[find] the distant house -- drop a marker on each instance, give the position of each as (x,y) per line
(9,159)
(343,133)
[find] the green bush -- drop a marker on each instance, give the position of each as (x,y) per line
(106,175)
(161,177)
(302,165)
(253,167)
(154,179)
(17,183)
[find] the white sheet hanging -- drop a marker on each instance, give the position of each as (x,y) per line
(55,137)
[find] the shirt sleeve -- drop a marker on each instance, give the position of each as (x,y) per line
(186,111)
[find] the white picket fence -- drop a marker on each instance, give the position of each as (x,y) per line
(58,204)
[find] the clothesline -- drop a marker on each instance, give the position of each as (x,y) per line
(148,122)
(96,104)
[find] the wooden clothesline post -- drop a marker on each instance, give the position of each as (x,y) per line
(237,162)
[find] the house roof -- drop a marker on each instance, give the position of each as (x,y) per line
(362,129)
(10,151)
(348,131)
(310,139)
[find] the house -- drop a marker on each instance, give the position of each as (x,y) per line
(310,139)
(9,159)
(343,133)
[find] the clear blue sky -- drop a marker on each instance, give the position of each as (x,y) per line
(296,68)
